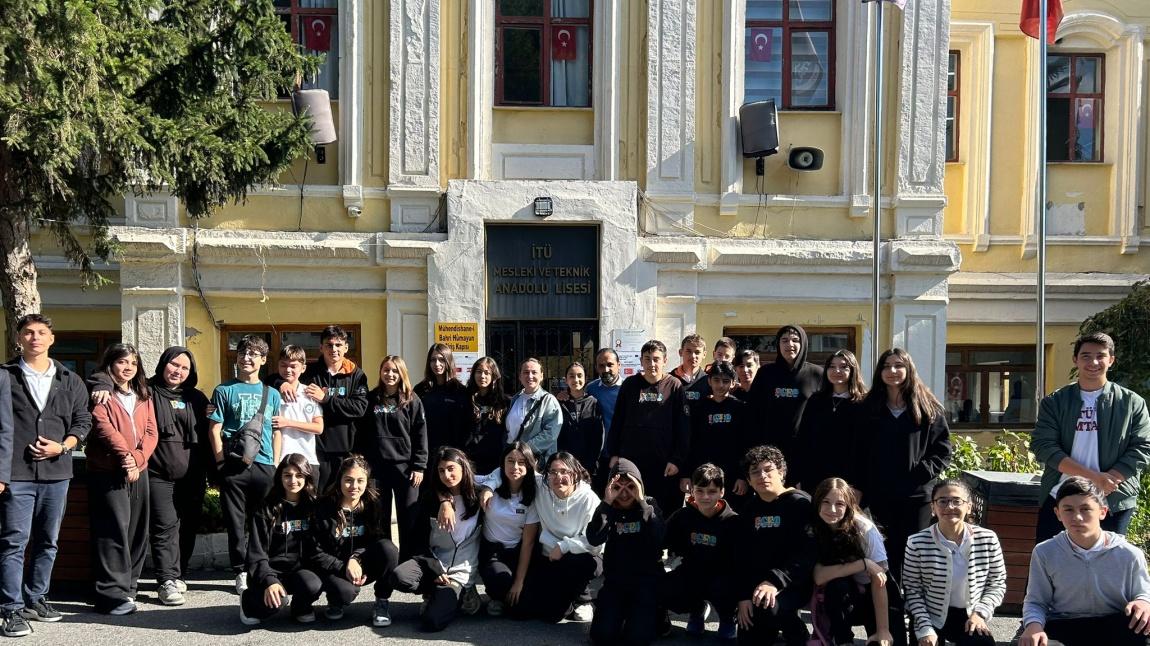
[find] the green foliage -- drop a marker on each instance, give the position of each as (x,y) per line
(1125,321)
(965,458)
(99,98)
(212,519)
(1011,453)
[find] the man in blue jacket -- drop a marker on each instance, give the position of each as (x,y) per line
(48,419)
(1095,429)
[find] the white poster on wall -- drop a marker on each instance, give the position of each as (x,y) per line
(628,343)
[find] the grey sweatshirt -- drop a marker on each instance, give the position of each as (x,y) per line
(1067,584)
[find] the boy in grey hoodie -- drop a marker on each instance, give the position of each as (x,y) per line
(1087,586)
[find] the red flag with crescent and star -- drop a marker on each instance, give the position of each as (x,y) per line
(317,33)
(563,44)
(760,46)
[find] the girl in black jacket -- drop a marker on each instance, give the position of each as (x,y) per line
(445,400)
(489,404)
(582,432)
(828,444)
(393,439)
(276,559)
(350,549)
(908,447)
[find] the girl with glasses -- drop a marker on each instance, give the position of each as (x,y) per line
(954,575)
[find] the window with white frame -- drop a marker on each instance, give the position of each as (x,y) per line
(1074,107)
(790,53)
(314,26)
(543,53)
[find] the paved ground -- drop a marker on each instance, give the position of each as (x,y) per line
(211,617)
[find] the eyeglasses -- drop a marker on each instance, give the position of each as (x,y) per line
(950,502)
(252,354)
(560,473)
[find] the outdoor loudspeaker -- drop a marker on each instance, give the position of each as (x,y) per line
(315,105)
(805,158)
(759,128)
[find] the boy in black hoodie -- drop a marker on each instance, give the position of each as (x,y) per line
(777,549)
(702,534)
(718,426)
(627,609)
(781,390)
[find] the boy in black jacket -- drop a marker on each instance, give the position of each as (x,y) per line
(719,427)
(777,550)
(626,611)
(340,387)
(702,535)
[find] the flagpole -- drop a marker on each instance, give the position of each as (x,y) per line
(876,253)
(1040,318)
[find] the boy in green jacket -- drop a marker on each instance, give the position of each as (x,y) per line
(1095,429)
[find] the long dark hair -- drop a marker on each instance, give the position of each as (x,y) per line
(467,488)
(369,501)
(138,384)
(493,399)
(572,463)
(429,381)
(920,402)
(842,542)
(855,386)
(527,489)
(274,503)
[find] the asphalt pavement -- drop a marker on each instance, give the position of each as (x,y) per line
(211,616)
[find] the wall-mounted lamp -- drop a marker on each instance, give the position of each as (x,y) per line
(544,207)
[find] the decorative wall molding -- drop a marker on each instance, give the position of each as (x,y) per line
(543,161)
(156,211)
(351,112)
(671,111)
(415,93)
(975,43)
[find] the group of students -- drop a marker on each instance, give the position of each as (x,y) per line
(538,494)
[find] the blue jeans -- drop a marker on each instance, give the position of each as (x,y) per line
(30,510)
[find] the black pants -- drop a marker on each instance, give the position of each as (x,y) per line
(119,526)
(189,503)
(416,576)
(1048,525)
(393,484)
(847,605)
(899,519)
(685,590)
(1112,630)
(328,470)
(497,566)
(664,489)
(174,506)
(784,616)
(627,611)
(377,561)
(303,586)
(954,631)
(243,489)
(552,586)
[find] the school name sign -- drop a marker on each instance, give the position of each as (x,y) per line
(542,272)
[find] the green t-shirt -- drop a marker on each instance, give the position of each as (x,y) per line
(237,402)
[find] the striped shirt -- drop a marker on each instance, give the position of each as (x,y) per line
(927,571)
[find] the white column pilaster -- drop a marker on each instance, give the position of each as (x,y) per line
(671,114)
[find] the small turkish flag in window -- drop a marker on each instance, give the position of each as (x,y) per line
(317,33)
(563,44)
(759,49)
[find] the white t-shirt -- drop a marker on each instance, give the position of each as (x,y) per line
(128,401)
(463,528)
(503,522)
(959,590)
(872,546)
(303,409)
(1085,449)
(39,383)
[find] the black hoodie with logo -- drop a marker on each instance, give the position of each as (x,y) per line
(781,390)
(635,534)
(278,542)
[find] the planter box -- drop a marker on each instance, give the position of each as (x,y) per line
(1007,503)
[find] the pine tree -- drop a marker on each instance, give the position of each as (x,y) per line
(100,98)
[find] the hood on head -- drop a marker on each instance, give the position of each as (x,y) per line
(168,355)
(625,467)
(802,358)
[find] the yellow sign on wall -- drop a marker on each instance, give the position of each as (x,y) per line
(460,337)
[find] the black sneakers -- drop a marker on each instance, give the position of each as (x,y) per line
(41,610)
(13,624)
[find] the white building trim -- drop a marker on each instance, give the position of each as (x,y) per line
(543,161)
(351,112)
(671,113)
(975,43)
(414,118)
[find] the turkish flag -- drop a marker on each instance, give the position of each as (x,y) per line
(563,44)
(317,33)
(760,47)
(1029,22)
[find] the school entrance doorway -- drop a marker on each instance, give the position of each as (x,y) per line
(542,298)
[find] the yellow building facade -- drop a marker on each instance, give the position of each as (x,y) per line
(568,174)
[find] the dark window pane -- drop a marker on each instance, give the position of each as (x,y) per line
(570,8)
(77,345)
(951,152)
(1012,397)
(282,4)
(1002,357)
(1057,129)
(952,72)
(810,68)
(963,397)
(953,358)
(521,71)
(764,9)
(810,10)
(521,8)
(1057,74)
